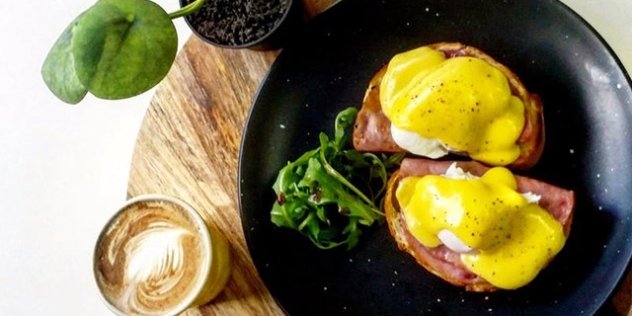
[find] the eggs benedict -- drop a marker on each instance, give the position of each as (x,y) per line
(474,226)
(451,98)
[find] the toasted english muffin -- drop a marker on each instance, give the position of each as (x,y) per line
(372,130)
(441,261)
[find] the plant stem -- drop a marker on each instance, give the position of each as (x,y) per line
(188,9)
(332,172)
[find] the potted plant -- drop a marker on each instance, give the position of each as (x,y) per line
(118,49)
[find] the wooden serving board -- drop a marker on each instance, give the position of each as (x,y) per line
(188,147)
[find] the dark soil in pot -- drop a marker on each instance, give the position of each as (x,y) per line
(258,24)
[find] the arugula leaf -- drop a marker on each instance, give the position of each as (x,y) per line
(329,194)
(344,120)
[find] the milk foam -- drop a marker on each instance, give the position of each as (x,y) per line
(152,260)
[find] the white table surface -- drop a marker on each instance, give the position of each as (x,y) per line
(64,168)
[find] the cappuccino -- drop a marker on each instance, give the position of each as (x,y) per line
(157,256)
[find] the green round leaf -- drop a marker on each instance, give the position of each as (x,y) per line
(123,48)
(58,70)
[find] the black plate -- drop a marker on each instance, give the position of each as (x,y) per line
(588,114)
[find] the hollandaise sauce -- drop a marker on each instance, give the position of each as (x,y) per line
(509,239)
(464,102)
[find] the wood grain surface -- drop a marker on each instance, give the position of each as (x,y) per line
(188,147)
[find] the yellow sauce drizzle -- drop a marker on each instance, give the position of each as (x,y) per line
(512,238)
(463,101)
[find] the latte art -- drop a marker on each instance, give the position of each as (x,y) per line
(153,259)
(157,255)
(156,264)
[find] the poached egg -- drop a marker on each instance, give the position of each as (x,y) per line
(438,105)
(502,235)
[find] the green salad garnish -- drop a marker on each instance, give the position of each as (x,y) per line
(330,193)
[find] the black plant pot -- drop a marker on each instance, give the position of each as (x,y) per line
(252,24)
